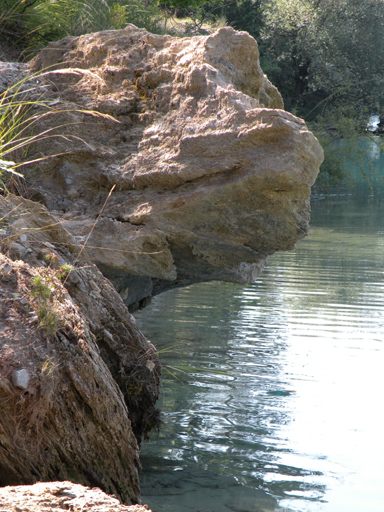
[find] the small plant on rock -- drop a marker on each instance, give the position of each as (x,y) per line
(17,124)
(46,294)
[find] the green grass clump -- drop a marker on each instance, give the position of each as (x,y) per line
(15,128)
(47,297)
(18,128)
(22,108)
(30,24)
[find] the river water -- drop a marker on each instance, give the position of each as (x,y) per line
(272,393)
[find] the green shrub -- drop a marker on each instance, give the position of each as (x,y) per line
(30,25)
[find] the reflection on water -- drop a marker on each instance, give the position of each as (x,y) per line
(273,391)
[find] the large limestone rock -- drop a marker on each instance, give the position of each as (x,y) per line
(78,381)
(193,172)
(211,175)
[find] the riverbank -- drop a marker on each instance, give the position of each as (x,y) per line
(154,162)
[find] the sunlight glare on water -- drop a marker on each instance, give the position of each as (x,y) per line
(272,392)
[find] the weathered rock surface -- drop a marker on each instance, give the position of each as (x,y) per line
(45,497)
(78,381)
(211,175)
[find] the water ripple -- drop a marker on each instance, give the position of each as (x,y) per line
(277,385)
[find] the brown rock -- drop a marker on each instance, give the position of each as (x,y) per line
(211,175)
(92,376)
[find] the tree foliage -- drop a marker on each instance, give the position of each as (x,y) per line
(245,15)
(326,55)
(198,12)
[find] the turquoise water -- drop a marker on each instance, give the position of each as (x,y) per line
(359,158)
(273,392)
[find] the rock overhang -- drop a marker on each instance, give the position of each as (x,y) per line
(211,174)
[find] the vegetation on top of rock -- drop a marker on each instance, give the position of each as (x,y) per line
(30,25)
(320,54)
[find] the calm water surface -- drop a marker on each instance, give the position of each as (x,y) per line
(273,392)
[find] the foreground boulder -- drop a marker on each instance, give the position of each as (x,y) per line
(78,381)
(211,175)
(45,497)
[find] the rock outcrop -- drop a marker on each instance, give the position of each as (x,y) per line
(211,175)
(78,381)
(45,497)
(172,162)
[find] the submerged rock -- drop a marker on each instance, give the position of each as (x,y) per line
(211,175)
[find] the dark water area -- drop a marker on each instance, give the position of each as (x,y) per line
(272,393)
